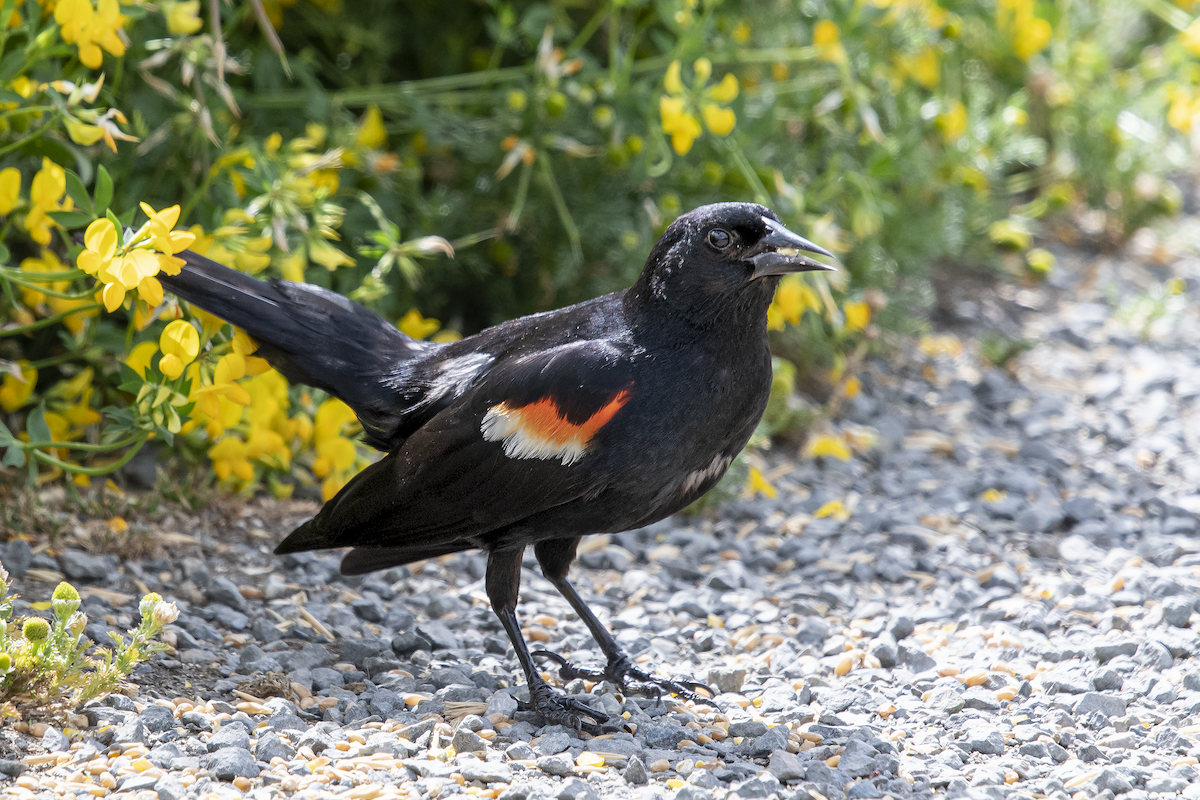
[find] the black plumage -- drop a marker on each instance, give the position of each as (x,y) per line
(600,417)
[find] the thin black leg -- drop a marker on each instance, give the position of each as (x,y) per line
(555,556)
(503,583)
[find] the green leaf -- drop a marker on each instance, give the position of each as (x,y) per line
(11,65)
(79,194)
(14,457)
(71,219)
(104,189)
(6,437)
(127,217)
(5,256)
(35,424)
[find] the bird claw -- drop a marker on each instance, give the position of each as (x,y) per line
(557,709)
(622,672)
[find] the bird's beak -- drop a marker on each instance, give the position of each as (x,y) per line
(781,253)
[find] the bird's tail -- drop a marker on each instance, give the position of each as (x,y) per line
(311,335)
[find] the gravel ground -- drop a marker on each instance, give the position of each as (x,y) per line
(1008,608)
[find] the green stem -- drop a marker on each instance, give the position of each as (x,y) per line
(46,458)
(52,360)
(196,195)
(37,287)
(514,216)
(44,277)
(589,29)
(560,205)
(90,448)
(42,323)
(761,195)
(473,239)
(22,142)
(26,110)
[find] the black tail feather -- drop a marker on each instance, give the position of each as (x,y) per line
(311,335)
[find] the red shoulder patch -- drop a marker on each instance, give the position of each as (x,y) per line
(540,429)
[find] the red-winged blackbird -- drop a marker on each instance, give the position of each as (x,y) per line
(600,417)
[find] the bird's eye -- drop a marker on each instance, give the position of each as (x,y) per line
(719,238)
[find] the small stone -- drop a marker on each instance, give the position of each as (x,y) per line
(1107,704)
(12,769)
(1177,610)
(635,774)
(1123,741)
(224,591)
(55,741)
(988,742)
(16,557)
(271,745)
(945,699)
(487,772)
(785,766)
(858,758)
(1154,655)
(885,650)
(913,657)
(1113,781)
(501,702)
(137,783)
(774,739)
(169,788)
(229,736)
(318,740)
(466,741)
(157,718)
(232,762)
(286,721)
(559,765)
(727,679)
(78,565)
(1106,679)
(749,727)
(519,751)
(551,744)
(577,789)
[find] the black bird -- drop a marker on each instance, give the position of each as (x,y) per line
(599,417)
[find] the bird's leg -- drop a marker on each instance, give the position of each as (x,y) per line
(503,583)
(555,556)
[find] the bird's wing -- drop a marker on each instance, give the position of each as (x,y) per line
(522,440)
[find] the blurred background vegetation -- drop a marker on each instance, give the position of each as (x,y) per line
(545,145)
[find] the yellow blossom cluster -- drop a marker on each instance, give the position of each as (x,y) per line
(91,28)
(132,266)
(52,295)
(680,106)
(46,194)
(1029,34)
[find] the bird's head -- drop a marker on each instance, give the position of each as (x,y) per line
(725,254)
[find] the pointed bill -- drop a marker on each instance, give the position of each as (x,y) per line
(783,253)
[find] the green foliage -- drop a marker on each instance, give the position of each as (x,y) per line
(999,350)
(478,162)
(43,662)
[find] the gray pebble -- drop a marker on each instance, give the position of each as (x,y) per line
(232,762)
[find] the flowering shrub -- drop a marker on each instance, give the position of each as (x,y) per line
(477,165)
(44,661)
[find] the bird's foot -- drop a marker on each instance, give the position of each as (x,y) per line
(557,709)
(623,673)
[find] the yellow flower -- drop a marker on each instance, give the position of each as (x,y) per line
(10,190)
(327,255)
(139,357)
(757,484)
(183,18)
(953,121)
(231,368)
(15,390)
(1040,260)
(925,68)
(826,445)
(91,28)
(180,343)
(418,327)
(852,387)
(993,496)
(827,40)
(935,346)
(792,299)
(45,195)
(1029,34)
(1190,38)
(681,109)
(371,135)
(834,508)
(858,314)
(229,456)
